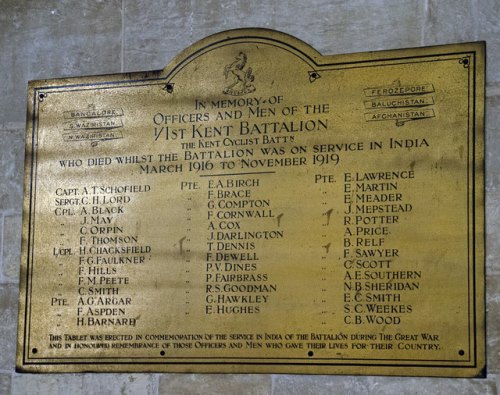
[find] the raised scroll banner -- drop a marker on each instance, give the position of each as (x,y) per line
(238,211)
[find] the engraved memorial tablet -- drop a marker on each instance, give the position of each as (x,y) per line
(258,207)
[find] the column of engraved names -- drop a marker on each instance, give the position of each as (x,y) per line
(107,249)
(239,222)
(377,285)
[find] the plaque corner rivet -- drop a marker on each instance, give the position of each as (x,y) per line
(464,62)
(169,87)
(313,76)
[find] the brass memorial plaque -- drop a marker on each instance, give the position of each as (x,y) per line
(258,207)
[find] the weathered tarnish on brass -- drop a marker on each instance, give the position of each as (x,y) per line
(258,207)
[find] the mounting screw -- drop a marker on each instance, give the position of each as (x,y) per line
(169,87)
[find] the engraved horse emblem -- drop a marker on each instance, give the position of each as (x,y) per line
(242,79)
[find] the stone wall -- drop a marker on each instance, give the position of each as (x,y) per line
(51,38)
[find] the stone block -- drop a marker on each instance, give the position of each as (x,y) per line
(495,378)
(493,323)
(448,22)
(492,143)
(318,385)
(8,325)
(180,384)
(213,16)
(12,165)
(298,385)
(333,27)
(5,384)
(492,232)
(52,39)
(431,386)
(488,29)
(11,247)
(337,28)
(48,384)
(492,147)
(146,47)
(119,384)
(154,32)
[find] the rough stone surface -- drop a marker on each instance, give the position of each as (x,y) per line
(493,323)
(11,247)
(48,384)
(8,325)
(119,384)
(488,29)
(12,165)
(466,20)
(335,23)
(179,384)
(330,26)
(298,385)
(441,29)
(492,143)
(492,232)
(2,278)
(431,386)
(154,32)
(214,16)
(45,39)
(5,384)
(492,184)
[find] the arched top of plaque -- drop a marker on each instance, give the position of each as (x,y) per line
(240,62)
(240,45)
